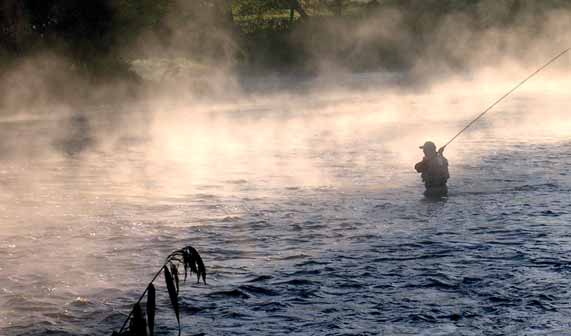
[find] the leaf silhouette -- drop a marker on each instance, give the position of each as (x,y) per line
(185,266)
(172,294)
(201,268)
(135,324)
(189,260)
(151,307)
(138,326)
(174,272)
(193,261)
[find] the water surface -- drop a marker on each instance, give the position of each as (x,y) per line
(311,221)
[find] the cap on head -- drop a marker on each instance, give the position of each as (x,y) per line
(429,146)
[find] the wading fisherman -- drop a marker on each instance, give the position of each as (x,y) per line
(434,166)
(434,170)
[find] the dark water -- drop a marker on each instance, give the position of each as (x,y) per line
(359,252)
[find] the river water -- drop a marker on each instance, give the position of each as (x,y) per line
(306,211)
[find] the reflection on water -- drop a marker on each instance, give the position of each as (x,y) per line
(310,218)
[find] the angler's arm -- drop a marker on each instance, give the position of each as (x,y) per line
(421,166)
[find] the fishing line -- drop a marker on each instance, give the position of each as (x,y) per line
(506,95)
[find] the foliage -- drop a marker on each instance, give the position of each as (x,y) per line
(336,6)
(259,7)
(95,34)
(138,324)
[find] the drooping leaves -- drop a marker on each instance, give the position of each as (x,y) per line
(201,266)
(174,273)
(151,307)
(172,294)
(185,265)
(138,325)
(189,261)
(192,262)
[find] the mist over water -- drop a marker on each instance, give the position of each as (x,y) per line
(298,192)
(304,204)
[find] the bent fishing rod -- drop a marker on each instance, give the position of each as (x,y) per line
(505,96)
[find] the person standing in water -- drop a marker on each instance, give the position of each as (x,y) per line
(434,170)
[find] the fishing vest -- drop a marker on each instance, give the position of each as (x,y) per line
(435,172)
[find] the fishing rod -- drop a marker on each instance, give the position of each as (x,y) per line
(505,96)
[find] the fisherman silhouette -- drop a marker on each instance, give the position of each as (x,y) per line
(434,170)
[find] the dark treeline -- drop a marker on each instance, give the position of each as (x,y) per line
(101,36)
